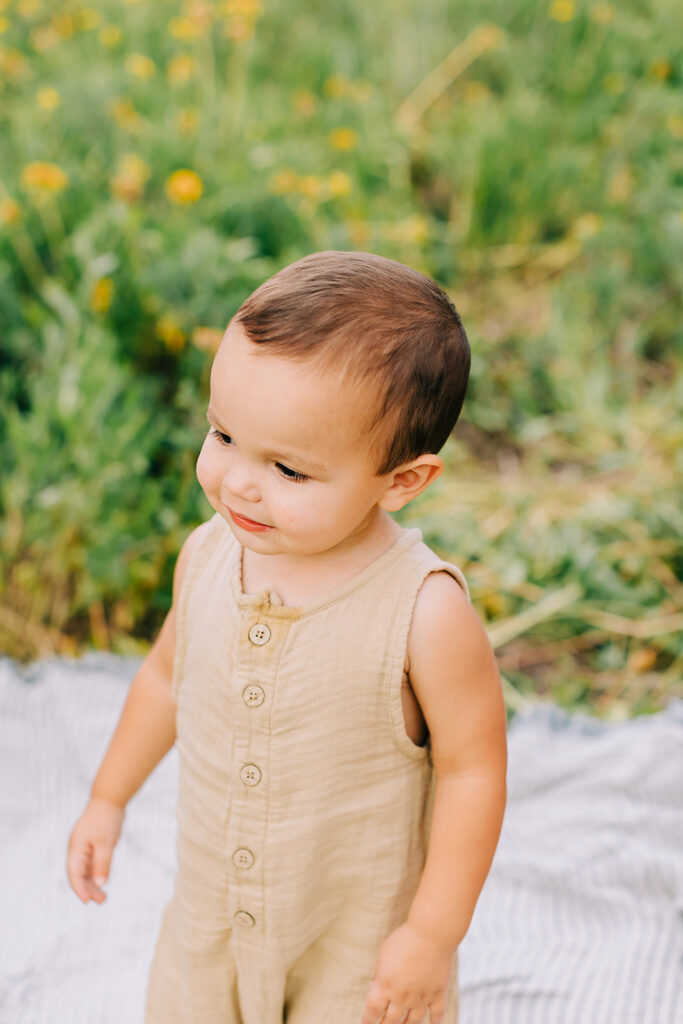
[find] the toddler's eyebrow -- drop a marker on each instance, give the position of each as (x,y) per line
(302,462)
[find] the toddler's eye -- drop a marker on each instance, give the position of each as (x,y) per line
(223,438)
(290,474)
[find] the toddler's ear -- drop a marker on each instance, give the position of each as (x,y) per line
(409,480)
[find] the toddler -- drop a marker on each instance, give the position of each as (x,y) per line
(333,694)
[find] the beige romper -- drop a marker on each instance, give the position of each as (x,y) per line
(303,806)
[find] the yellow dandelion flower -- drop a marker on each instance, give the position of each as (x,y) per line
(101,295)
(339,184)
(48,99)
(413,229)
(602,13)
(304,102)
(14,65)
(125,114)
(10,211)
(239,30)
(64,24)
(562,10)
(110,35)
(44,177)
(4,25)
(140,65)
(28,8)
(184,186)
(284,182)
(199,10)
(675,125)
(89,19)
(132,173)
(132,164)
(170,332)
(336,86)
(181,68)
(660,69)
(241,8)
(240,18)
(614,83)
(207,338)
(343,139)
(185,28)
(188,121)
(310,185)
(43,38)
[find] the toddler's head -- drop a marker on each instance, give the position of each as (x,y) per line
(336,384)
(391,330)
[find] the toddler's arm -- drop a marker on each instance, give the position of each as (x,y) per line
(454,676)
(144,734)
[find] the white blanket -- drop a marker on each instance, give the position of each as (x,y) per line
(580,921)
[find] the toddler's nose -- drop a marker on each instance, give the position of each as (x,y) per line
(239,480)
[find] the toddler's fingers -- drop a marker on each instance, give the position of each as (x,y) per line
(375,1006)
(78,871)
(101,865)
(419,1015)
(437,1012)
(98,873)
(394,1014)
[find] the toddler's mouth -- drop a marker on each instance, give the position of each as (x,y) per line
(247,524)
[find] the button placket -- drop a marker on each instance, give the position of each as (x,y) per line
(250,761)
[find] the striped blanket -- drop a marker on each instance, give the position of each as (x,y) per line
(580,921)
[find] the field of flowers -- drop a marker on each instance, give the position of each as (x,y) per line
(159,160)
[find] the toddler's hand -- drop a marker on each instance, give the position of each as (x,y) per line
(411,978)
(91,843)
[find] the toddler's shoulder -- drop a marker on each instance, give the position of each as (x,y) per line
(444,618)
(450,662)
(439,575)
(442,598)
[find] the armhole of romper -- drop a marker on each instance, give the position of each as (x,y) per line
(191,572)
(399,646)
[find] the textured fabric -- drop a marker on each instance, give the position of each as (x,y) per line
(580,920)
(303,807)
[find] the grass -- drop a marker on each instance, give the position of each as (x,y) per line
(160,160)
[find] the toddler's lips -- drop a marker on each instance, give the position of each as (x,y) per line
(247,524)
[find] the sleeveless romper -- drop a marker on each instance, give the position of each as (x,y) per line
(303,805)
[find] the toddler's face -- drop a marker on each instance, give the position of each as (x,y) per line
(285,461)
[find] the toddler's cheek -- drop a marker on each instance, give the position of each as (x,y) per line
(203,470)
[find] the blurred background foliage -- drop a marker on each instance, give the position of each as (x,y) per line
(160,160)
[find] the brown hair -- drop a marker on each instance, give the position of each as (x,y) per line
(385,325)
